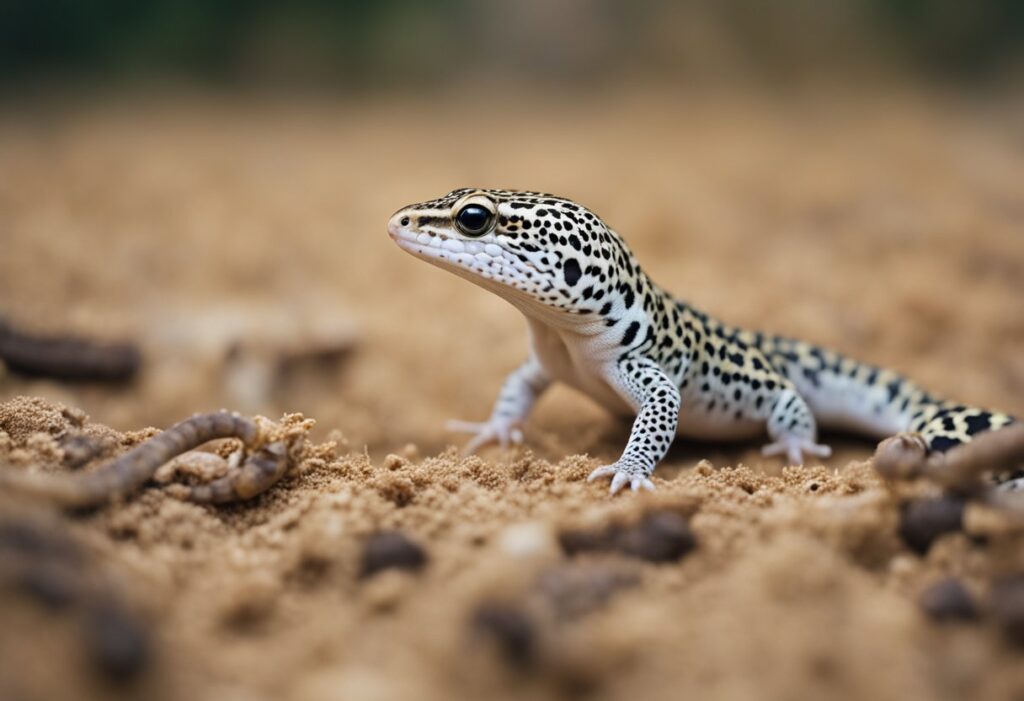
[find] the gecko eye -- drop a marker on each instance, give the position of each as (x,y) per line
(474,220)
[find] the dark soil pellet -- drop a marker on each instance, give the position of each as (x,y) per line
(922,521)
(117,644)
(511,628)
(948,600)
(574,542)
(1008,607)
(575,591)
(391,550)
(54,587)
(661,536)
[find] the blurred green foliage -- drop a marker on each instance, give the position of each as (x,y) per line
(352,42)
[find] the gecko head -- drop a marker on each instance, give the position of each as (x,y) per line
(536,250)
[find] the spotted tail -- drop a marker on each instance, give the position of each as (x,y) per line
(846,394)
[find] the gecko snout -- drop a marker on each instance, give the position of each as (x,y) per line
(399,221)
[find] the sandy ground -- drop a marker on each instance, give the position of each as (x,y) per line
(223,237)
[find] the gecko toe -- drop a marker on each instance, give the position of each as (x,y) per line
(458,426)
(618,482)
(639,482)
(602,472)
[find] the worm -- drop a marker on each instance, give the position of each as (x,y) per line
(130,471)
(67,357)
(256,475)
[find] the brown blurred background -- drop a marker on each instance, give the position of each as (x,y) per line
(211,180)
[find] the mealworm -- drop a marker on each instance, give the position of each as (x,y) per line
(256,475)
(130,471)
(67,357)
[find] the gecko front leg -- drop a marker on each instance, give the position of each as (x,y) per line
(646,387)
(518,394)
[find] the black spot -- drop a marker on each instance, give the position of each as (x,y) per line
(572,272)
(631,332)
(942,443)
(979,423)
(812,377)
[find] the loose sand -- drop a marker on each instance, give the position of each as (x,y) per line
(889,228)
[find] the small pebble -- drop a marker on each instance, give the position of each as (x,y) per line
(391,550)
(511,628)
(529,539)
(948,600)
(922,521)
(394,462)
(1008,607)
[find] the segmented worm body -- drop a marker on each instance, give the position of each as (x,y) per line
(67,357)
(130,471)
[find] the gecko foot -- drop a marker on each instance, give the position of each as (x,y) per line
(621,476)
(486,433)
(794,447)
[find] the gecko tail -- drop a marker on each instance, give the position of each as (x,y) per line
(945,425)
(848,394)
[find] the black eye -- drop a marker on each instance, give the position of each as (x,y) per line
(474,220)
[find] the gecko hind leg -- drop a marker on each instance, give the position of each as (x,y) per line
(792,428)
(794,447)
(504,433)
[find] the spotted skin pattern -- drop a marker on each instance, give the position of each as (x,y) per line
(598,323)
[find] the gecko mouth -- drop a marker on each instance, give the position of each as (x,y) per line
(436,244)
(484,260)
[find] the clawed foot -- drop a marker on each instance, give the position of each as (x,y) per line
(794,448)
(621,476)
(504,433)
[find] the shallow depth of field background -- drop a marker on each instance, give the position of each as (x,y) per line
(212,181)
(191,175)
